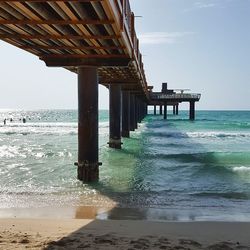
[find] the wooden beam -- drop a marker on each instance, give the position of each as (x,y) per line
(56,22)
(67,61)
(57,37)
(63,56)
(59,47)
(123,82)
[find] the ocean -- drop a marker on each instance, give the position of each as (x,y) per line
(172,169)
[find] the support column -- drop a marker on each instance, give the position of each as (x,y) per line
(125,113)
(88,169)
(140,111)
(165,111)
(143,110)
(154,109)
(132,112)
(160,109)
(177,109)
(136,113)
(115,116)
(174,109)
(192,111)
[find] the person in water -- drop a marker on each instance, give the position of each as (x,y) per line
(24,120)
(4,121)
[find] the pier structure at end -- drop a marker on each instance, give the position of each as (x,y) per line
(169,97)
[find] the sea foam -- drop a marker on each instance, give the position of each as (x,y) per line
(242,169)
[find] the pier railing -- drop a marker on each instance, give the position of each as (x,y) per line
(178,96)
(127,24)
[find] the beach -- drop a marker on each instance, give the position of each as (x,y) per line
(121,234)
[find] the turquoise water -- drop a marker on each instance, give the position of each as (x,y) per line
(174,169)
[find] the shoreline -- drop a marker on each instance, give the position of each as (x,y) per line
(121,234)
(90,228)
(113,212)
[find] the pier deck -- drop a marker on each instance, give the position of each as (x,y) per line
(72,33)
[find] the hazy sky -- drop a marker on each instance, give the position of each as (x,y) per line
(202,45)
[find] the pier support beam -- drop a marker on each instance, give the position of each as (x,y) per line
(115,116)
(160,109)
(132,112)
(177,109)
(165,111)
(192,111)
(174,109)
(125,113)
(88,166)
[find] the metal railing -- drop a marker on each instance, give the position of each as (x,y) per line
(127,20)
(175,96)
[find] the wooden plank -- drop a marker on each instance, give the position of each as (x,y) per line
(30,15)
(72,16)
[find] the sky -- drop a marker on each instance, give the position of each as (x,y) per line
(202,45)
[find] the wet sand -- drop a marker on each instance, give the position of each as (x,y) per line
(48,233)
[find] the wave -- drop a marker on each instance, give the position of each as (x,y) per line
(31,151)
(200,134)
(39,124)
(166,134)
(220,158)
(241,169)
(69,128)
(219,134)
(227,195)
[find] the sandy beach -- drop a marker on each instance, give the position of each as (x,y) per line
(40,233)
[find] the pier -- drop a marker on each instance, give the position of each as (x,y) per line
(96,39)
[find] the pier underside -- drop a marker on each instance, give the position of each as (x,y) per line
(97,40)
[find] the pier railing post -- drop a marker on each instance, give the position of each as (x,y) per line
(192,110)
(125,113)
(115,116)
(88,166)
